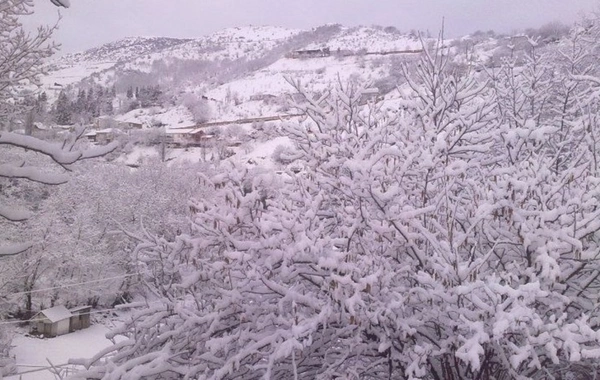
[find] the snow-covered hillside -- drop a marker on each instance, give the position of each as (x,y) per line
(370,39)
(244,72)
(123,50)
(247,43)
(73,68)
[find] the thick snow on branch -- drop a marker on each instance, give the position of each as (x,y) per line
(14,214)
(54,150)
(32,174)
(14,249)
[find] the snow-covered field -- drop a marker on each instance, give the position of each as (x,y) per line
(34,355)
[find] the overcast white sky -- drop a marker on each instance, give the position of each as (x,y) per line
(89,23)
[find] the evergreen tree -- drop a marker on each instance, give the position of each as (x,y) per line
(81,101)
(100,92)
(90,100)
(108,106)
(63,109)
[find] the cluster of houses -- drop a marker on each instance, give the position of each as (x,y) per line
(106,129)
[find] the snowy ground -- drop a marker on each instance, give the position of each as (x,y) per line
(32,354)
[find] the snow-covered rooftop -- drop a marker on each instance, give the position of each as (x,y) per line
(56,313)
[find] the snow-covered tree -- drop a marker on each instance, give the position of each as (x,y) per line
(21,53)
(198,107)
(21,63)
(455,237)
(64,110)
(79,233)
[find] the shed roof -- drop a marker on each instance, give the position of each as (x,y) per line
(370,91)
(56,313)
(80,308)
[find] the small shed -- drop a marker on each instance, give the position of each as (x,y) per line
(80,318)
(52,322)
(369,94)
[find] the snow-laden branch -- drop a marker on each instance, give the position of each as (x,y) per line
(14,249)
(586,78)
(32,174)
(457,239)
(14,214)
(54,150)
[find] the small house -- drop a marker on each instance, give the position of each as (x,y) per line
(59,320)
(52,322)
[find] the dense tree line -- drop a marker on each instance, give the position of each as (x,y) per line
(89,103)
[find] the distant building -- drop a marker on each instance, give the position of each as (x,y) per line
(184,137)
(369,94)
(103,136)
(311,53)
(56,87)
(263,97)
(105,122)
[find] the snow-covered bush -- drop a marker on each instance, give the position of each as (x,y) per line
(454,239)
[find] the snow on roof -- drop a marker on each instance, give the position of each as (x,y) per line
(80,308)
(56,313)
(183,131)
(370,90)
(108,130)
(42,126)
